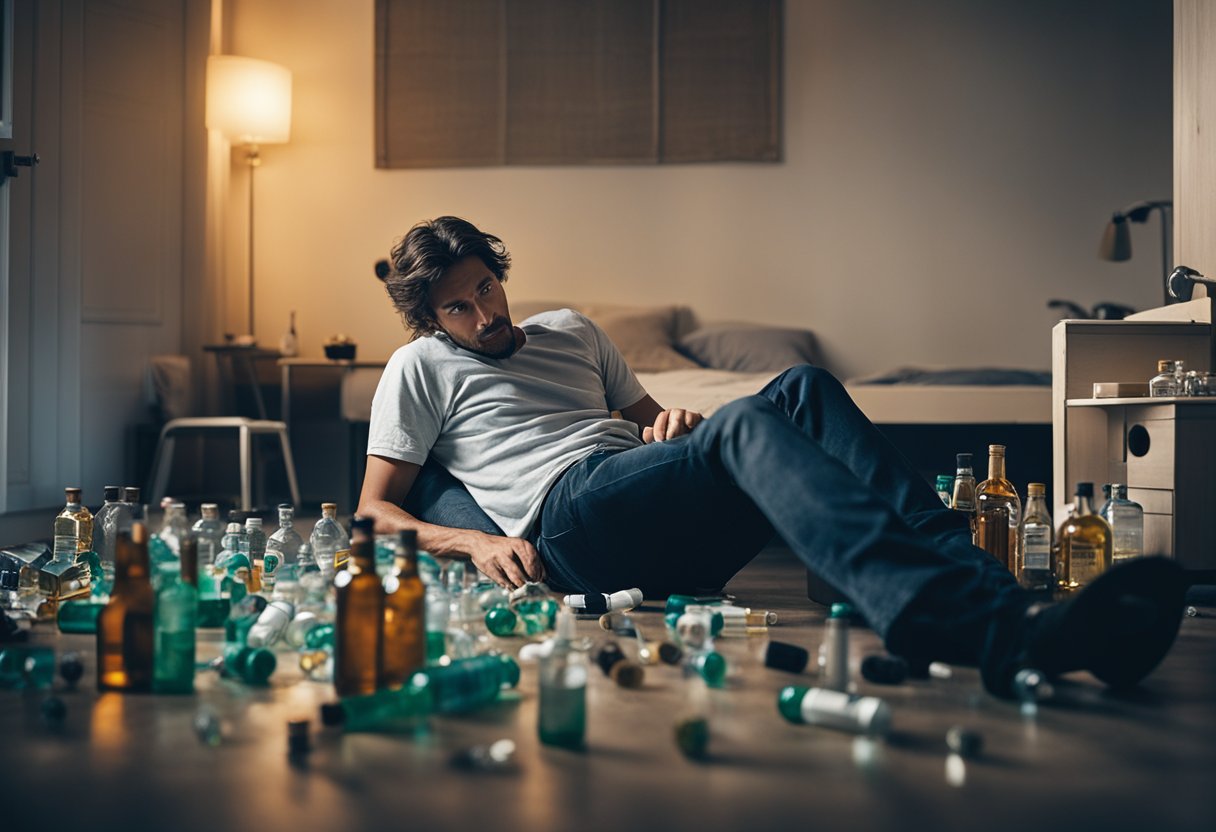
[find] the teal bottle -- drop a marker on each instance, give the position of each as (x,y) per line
(505,621)
(79,616)
(176,618)
(399,710)
(562,713)
(24,666)
(468,684)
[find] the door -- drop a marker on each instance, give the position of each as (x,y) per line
(91,277)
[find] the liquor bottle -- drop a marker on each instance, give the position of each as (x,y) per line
(132,498)
(209,532)
(1104,511)
(125,629)
(963,498)
(330,544)
(403,709)
(360,613)
(255,540)
(562,712)
(176,618)
(63,577)
(945,488)
(175,529)
(285,542)
(1126,520)
(468,684)
(1035,571)
(998,511)
(1165,383)
(403,648)
(75,511)
(1085,541)
(105,527)
(289,344)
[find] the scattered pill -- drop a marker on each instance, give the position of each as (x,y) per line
(298,742)
(788,657)
(207,727)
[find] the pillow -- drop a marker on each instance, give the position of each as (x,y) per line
(642,334)
(750,348)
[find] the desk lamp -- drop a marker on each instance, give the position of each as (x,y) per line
(249,101)
(1117,240)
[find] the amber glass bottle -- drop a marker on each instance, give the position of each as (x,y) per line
(998,511)
(404,646)
(360,615)
(125,627)
(1086,542)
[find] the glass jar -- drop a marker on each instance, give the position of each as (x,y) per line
(1200,384)
(1165,383)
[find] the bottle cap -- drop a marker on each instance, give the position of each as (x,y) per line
(1085,489)
(259,664)
(840,610)
(130,494)
(999,450)
(944,481)
(609,656)
(782,656)
(1036,489)
(789,702)
(884,670)
(963,460)
(111,493)
(253,522)
(329,507)
(73,494)
(501,621)
(628,674)
(670,653)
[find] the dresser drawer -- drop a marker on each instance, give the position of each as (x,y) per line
(1150,453)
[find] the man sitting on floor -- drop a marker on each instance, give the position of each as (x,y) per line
(521,417)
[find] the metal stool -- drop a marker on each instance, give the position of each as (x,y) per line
(162,463)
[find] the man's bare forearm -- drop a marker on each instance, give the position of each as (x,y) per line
(438,540)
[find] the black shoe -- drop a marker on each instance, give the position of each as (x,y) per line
(1118,628)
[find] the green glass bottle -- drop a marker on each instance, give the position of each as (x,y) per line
(79,616)
(402,710)
(468,684)
(562,712)
(504,622)
(176,619)
(24,666)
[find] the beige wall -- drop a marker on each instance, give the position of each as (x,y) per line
(949,166)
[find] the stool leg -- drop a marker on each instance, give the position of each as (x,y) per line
(290,465)
(162,466)
(246,473)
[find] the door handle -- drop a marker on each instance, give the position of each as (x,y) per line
(10,161)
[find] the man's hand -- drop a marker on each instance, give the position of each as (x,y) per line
(508,561)
(671,423)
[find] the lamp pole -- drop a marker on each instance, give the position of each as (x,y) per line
(254,159)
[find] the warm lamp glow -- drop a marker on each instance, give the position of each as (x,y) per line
(248,100)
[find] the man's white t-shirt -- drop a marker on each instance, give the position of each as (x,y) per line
(507,427)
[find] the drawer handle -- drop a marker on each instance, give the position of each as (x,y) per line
(1138,441)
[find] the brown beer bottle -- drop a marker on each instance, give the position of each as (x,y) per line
(125,627)
(404,646)
(358,634)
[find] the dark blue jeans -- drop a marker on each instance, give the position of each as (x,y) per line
(799,459)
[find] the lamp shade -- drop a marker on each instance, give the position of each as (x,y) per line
(1116,240)
(248,100)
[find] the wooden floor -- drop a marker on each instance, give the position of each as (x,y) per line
(1143,761)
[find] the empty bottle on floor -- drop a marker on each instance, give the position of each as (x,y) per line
(403,649)
(1085,542)
(329,541)
(360,613)
(175,621)
(125,629)
(562,712)
(468,684)
(998,512)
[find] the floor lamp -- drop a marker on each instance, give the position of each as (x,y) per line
(249,101)
(1117,239)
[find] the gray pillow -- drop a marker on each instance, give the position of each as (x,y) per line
(750,348)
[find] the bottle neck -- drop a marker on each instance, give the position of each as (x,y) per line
(996,467)
(1084,506)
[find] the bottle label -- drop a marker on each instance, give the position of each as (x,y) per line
(1084,562)
(1038,549)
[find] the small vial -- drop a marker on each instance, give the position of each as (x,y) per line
(834,709)
(880,669)
(711,666)
(788,657)
(836,648)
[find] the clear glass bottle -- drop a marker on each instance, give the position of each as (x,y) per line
(105,527)
(1180,372)
(998,512)
(963,498)
(1165,383)
(289,343)
(166,546)
(137,511)
(562,711)
(360,614)
(1126,519)
(1190,383)
(63,577)
(330,543)
(1035,570)
(1085,541)
(1106,486)
(285,541)
(209,532)
(176,618)
(75,511)
(125,640)
(438,616)
(256,539)
(403,649)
